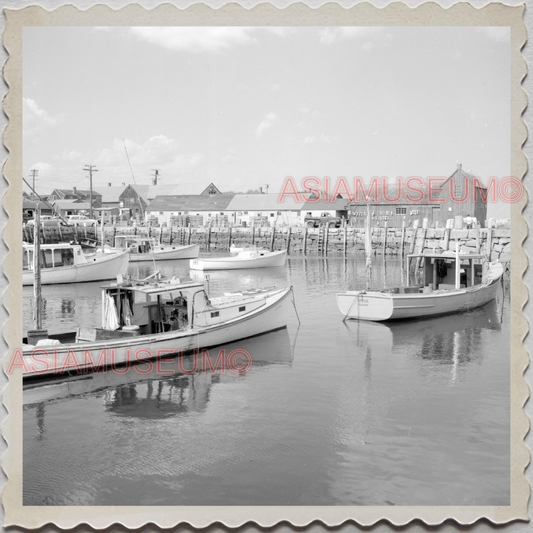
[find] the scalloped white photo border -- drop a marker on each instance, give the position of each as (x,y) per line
(396,14)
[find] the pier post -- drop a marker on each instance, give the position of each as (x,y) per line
(489,243)
(253,235)
(229,237)
(272,238)
(345,244)
(305,241)
(289,240)
(447,232)
(326,239)
(209,238)
(402,239)
(413,241)
(385,238)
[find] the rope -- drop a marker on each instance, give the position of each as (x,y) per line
(294,305)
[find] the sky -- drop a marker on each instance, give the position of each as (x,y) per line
(247,107)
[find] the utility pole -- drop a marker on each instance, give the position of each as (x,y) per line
(155,176)
(33,173)
(90,169)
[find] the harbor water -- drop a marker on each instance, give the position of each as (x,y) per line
(329,413)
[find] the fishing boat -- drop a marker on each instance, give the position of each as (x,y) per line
(272,348)
(153,318)
(451,283)
(67,263)
(149,249)
(244,259)
(235,249)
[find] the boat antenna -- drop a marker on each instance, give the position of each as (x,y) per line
(134,182)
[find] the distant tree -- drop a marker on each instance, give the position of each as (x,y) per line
(253,191)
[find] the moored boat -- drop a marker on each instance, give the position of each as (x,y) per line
(452,283)
(148,249)
(244,259)
(67,263)
(151,320)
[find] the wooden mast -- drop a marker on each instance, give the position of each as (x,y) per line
(368,248)
(38,333)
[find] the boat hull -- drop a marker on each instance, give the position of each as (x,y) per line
(88,356)
(165,253)
(382,306)
(273,259)
(97,268)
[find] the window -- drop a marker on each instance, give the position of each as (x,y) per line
(242,308)
(436,207)
(245,212)
(271,214)
(308,213)
(214,314)
(457,190)
(401,210)
(160,212)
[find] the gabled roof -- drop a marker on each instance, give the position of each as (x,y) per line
(111,194)
(69,204)
(190,202)
(32,204)
(263,202)
(211,189)
(322,204)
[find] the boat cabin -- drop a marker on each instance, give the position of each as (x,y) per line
(137,245)
(445,271)
(53,255)
(144,309)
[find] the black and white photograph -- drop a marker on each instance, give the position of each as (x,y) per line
(267,265)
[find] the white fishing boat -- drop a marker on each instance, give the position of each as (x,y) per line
(149,249)
(451,283)
(245,259)
(67,263)
(235,248)
(151,320)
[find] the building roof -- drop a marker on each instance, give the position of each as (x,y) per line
(263,202)
(211,189)
(190,202)
(338,204)
(32,204)
(69,204)
(111,194)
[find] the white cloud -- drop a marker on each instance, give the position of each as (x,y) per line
(36,122)
(309,140)
(330,35)
(190,38)
(33,114)
(274,87)
(71,155)
(158,152)
(266,123)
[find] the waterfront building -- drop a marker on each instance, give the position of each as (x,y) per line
(318,207)
(460,195)
(80,195)
(203,207)
(265,210)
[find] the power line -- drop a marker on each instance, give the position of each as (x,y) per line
(155,176)
(90,169)
(34,173)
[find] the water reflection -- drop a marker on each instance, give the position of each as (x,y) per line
(451,340)
(164,388)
